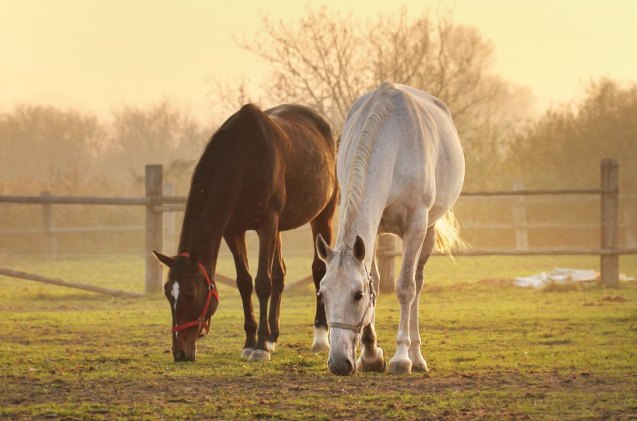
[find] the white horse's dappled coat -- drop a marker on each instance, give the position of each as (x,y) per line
(401,168)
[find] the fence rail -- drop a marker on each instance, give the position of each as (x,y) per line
(532,192)
(156,204)
(45,199)
(609,225)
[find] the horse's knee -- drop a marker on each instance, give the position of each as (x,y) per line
(263,287)
(406,291)
(244,284)
(278,284)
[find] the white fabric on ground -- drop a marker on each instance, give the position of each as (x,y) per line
(557,275)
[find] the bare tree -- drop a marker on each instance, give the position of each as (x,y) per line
(160,134)
(568,142)
(47,146)
(229,96)
(327,61)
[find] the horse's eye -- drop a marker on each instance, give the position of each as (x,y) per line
(358,296)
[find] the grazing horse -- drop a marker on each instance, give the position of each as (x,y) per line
(267,171)
(400,167)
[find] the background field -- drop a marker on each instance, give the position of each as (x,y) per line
(494,350)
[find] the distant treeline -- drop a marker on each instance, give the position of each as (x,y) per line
(72,152)
(69,152)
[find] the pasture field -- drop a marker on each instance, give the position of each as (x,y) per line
(495,351)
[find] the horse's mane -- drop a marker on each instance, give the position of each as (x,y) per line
(383,104)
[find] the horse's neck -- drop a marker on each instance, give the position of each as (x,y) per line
(205,250)
(202,241)
(206,219)
(363,223)
(361,211)
(366,163)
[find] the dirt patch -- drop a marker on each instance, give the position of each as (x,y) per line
(289,391)
(614,299)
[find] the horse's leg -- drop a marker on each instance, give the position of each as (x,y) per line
(237,245)
(413,238)
(322,224)
(278,275)
(268,234)
(418,362)
(372,357)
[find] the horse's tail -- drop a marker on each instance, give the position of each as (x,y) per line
(448,234)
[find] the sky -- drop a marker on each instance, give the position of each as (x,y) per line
(100,55)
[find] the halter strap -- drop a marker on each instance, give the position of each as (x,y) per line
(202,321)
(358,328)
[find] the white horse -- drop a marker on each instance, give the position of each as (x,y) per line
(401,168)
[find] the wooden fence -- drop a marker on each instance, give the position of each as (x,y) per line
(157,204)
(608,249)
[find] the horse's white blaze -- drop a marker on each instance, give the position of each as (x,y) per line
(401,168)
(175,293)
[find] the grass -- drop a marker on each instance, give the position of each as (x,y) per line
(494,350)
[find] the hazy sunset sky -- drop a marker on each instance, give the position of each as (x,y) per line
(100,55)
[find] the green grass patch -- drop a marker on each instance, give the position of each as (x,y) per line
(494,350)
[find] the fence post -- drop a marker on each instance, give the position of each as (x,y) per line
(154,227)
(519,218)
(47,226)
(170,236)
(630,239)
(386,261)
(609,263)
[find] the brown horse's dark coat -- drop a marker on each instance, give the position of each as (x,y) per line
(265,171)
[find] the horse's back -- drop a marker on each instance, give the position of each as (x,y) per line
(301,115)
(306,148)
(415,142)
(280,160)
(435,129)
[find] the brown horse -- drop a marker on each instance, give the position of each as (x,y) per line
(267,171)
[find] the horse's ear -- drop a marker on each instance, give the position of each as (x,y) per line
(168,261)
(322,248)
(359,248)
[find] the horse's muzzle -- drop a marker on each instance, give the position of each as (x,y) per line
(181,356)
(342,366)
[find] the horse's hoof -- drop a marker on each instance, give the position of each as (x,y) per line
(377,364)
(399,367)
(420,367)
(320,346)
(259,355)
(270,346)
(245,354)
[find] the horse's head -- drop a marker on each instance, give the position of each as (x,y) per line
(193,299)
(349,299)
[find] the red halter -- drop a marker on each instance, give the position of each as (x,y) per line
(201,321)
